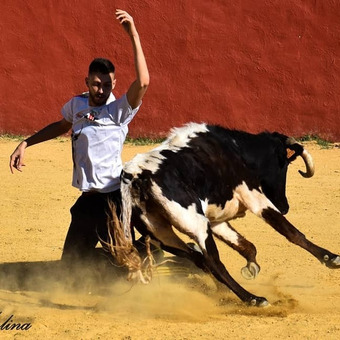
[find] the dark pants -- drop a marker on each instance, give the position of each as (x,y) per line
(88,224)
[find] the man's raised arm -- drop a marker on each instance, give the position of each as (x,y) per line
(140,85)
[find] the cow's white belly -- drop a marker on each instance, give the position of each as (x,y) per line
(232,209)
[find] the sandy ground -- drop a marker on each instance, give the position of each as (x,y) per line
(180,303)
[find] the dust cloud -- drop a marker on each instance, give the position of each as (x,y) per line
(176,292)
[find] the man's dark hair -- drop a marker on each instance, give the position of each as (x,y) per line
(101,65)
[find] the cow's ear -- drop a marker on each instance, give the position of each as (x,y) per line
(293,151)
(291,154)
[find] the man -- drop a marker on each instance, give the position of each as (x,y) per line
(99,126)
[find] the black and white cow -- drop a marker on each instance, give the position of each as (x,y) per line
(201,177)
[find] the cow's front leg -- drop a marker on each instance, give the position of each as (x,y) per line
(226,233)
(285,228)
(216,267)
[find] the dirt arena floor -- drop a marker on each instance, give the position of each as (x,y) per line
(96,302)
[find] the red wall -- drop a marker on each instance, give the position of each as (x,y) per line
(251,65)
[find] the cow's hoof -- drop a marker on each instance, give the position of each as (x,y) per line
(250,271)
(259,302)
(138,277)
(333,263)
(194,246)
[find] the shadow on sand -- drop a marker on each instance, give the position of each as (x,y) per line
(97,275)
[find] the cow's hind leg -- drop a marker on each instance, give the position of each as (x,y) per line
(192,222)
(217,268)
(226,233)
(195,225)
(161,230)
(285,228)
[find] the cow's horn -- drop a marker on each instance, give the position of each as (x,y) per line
(310,169)
(307,158)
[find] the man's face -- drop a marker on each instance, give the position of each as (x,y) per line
(100,86)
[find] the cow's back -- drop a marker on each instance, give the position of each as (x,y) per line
(205,159)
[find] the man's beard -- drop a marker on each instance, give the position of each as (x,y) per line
(98,100)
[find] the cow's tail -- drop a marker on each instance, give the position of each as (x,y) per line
(126,207)
(120,243)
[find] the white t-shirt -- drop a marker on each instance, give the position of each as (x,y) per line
(98,135)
